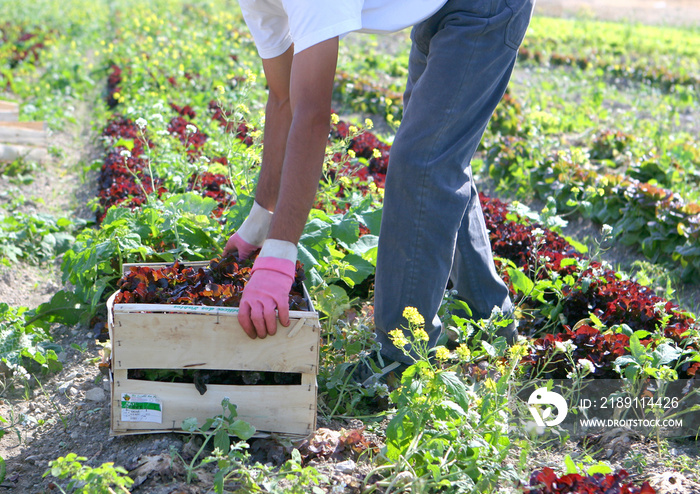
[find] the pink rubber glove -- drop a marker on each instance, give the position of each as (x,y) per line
(251,234)
(267,290)
(236,243)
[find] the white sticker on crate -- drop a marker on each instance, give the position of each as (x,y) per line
(141,408)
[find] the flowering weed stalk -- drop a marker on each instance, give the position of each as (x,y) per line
(446,432)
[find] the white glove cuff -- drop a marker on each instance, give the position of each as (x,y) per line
(280,249)
(256,226)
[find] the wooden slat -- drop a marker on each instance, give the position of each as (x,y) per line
(9,106)
(9,115)
(41,126)
(287,409)
(204,341)
(9,111)
(12,134)
(10,152)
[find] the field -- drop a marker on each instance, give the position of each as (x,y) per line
(590,181)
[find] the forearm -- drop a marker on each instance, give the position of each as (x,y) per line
(311,89)
(278,119)
(300,175)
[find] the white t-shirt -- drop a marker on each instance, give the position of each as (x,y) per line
(276,24)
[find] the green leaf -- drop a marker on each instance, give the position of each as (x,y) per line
(307,257)
(637,350)
(665,353)
(221,441)
(372,220)
(363,268)
(364,244)
(189,424)
(599,467)
(346,230)
(456,390)
(242,429)
(521,283)
(126,143)
(571,467)
(64,307)
(489,348)
(191,203)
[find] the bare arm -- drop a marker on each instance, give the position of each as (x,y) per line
(278,118)
(311,87)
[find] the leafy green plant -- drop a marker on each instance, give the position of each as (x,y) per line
(88,480)
(216,429)
(234,468)
(25,348)
(34,237)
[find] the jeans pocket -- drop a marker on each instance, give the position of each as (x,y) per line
(518,23)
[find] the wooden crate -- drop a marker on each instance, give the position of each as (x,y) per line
(26,140)
(149,336)
(9,111)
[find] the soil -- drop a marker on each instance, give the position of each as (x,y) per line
(69,411)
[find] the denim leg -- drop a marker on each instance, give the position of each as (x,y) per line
(432,225)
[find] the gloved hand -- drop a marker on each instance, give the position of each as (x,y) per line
(237,244)
(252,233)
(267,290)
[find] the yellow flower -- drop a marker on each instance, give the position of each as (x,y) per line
(352,129)
(413,316)
(463,352)
(376,153)
(368,123)
(518,351)
(335,118)
(250,76)
(351,153)
(490,384)
(429,373)
(398,338)
(420,334)
(220,89)
(442,353)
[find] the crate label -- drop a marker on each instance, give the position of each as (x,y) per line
(206,309)
(141,408)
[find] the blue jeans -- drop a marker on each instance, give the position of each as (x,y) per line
(432,226)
